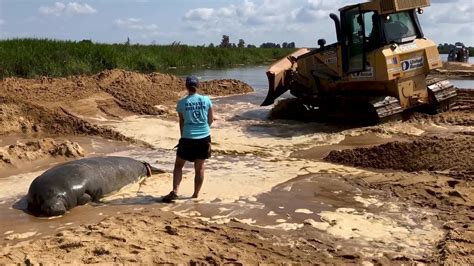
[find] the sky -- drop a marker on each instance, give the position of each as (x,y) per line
(198,22)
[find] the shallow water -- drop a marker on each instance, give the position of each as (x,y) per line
(463,83)
(444,57)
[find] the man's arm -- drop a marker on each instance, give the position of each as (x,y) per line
(181,123)
(210,116)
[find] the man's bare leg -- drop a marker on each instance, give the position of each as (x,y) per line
(198,177)
(178,173)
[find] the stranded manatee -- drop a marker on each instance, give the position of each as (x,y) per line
(78,182)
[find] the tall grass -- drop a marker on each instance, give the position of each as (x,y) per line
(34,57)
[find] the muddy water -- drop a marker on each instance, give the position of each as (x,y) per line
(258,175)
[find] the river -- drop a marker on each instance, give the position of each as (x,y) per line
(255,76)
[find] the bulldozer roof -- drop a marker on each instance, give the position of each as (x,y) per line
(389,6)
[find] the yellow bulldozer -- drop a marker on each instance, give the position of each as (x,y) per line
(377,69)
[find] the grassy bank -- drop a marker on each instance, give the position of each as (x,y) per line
(32,57)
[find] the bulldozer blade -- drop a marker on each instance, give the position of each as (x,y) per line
(277,74)
(273,92)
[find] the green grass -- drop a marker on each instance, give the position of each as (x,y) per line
(34,57)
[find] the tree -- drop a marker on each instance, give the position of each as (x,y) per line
(225,43)
(211,45)
(270,45)
(241,43)
(128,41)
(251,46)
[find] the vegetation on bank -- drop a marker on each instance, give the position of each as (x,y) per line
(446,48)
(33,57)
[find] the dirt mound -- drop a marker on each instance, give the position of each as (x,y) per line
(452,118)
(457,66)
(225,87)
(425,153)
(63,105)
(27,118)
(134,92)
(13,155)
(140,93)
(455,70)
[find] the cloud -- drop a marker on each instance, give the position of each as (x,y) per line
(275,18)
(2,22)
(80,9)
(200,14)
(265,12)
(452,12)
(56,9)
(138,26)
(59,8)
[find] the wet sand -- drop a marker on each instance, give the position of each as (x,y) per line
(268,197)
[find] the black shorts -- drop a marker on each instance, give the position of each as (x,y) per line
(194,149)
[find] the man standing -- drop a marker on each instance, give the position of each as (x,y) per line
(195,118)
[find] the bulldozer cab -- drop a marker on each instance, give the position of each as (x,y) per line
(378,66)
(363,29)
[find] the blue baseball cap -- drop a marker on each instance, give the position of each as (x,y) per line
(192,81)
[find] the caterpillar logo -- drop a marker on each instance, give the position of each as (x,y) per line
(413,64)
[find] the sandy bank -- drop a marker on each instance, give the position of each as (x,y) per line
(63,106)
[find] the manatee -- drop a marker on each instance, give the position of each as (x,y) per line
(79,182)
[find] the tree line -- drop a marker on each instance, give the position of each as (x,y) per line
(225,43)
(447,47)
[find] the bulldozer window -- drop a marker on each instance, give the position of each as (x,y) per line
(354,39)
(400,27)
(372,30)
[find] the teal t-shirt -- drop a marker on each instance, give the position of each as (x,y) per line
(195,109)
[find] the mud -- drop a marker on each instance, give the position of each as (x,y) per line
(15,155)
(268,195)
(453,153)
(126,239)
(455,70)
(450,195)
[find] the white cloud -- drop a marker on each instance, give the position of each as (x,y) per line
(137,25)
(200,14)
(60,8)
(2,22)
(80,9)
(252,18)
(266,12)
(56,9)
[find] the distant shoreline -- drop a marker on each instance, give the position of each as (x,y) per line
(30,58)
